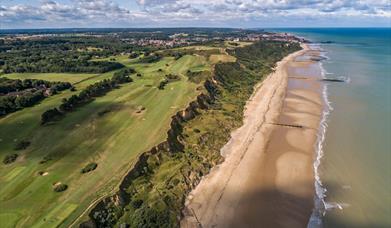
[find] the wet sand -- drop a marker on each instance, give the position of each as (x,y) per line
(266,179)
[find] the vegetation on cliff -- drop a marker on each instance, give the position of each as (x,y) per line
(153,193)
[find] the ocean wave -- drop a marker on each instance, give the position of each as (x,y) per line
(346,44)
(321,206)
(320,191)
(334,205)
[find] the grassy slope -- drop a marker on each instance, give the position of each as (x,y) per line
(113,141)
(157,196)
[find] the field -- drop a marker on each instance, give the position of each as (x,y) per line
(221,58)
(111,131)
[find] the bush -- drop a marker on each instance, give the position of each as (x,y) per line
(196,130)
(163,84)
(50,115)
(137,203)
(60,187)
(87,95)
(197,76)
(173,77)
(22,145)
(150,58)
(233,44)
(90,167)
(133,55)
(10,158)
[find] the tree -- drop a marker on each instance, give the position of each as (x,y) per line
(50,115)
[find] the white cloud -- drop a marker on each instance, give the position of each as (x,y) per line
(101,13)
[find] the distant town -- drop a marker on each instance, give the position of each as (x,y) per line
(164,39)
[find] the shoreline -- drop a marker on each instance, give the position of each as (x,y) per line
(263,175)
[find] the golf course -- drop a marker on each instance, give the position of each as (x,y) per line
(110,131)
(108,137)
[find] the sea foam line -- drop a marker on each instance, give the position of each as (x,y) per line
(320,191)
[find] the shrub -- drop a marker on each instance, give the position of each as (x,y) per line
(196,130)
(10,158)
(122,76)
(133,55)
(197,76)
(50,115)
(87,95)
(150,58)
(22,145)
(60,187)
(173,77)
(90,167)
(137,203)
(163,84)
(233,44)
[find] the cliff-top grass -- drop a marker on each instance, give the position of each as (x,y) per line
(110,131)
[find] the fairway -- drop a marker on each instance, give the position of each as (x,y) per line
(8,219)
(113,140)
(221,58)
(64,77)
(14,173)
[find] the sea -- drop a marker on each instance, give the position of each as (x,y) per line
(353,157)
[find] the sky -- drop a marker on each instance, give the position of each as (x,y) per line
(16,14)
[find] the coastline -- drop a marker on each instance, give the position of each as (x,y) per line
(267,177)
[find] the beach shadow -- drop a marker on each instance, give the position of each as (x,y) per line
(272,208)
(277,209)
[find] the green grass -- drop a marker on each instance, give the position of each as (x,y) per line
(221,58)
(124,59)
(113,140)
(14,173)
(64,77)
(239,44)
(57,216)
(8,219)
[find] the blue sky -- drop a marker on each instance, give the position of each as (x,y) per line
(189,13)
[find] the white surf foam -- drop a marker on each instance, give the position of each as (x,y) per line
(320,191)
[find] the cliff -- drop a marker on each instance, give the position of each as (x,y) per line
(109,209)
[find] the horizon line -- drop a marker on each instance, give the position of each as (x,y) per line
(189,27)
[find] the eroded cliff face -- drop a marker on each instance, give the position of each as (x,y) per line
(107,211)
(153,193)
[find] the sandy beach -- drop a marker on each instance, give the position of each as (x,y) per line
(267,176)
